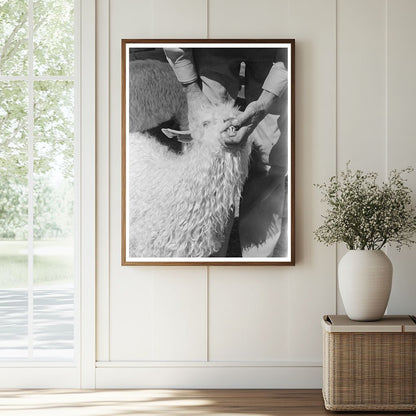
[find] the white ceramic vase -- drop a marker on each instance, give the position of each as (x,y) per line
(364,278)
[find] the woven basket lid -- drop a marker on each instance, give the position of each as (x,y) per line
(390,323)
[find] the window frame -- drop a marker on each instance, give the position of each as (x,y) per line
(81,371)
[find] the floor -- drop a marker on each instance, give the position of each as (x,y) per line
(164,402)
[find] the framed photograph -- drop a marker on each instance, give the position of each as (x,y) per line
(208,156)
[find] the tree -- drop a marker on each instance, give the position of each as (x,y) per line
(53,117)
(13,37)
(13,209)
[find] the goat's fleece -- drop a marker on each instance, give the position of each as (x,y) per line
(155,96)
(179,204)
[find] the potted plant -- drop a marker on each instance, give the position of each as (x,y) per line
(366,215)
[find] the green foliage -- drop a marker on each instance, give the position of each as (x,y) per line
(365,215)
(13,209)
(53,37)
(52,208)
(54,126)
(53,118)
(13,37)
(13,129)
(13,159)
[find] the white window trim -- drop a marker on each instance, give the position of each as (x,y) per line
(31,79)
(87,299)
(80,372)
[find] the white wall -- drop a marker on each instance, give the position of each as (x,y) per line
(254,326)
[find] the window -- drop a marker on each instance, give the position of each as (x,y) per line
(38,184)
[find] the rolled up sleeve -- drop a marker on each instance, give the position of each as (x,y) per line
(180,59)
(277,79)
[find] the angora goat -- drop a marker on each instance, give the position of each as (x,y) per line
(179,204)
(155,96)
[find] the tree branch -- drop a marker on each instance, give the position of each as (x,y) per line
(5,53)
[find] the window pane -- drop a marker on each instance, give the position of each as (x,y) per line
(13,37)
(53,319)
(53,197)
(13,323)
(53,37)
(53,177)
(13,219)
(13,160)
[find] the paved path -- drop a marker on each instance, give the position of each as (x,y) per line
(53,323)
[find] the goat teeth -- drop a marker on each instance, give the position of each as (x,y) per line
(231,131)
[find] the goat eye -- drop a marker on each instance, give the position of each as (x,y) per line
(205,124)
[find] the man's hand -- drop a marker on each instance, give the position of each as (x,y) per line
(235,132)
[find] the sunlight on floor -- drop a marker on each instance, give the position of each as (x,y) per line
(113,403)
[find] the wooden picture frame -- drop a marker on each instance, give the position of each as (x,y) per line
(223,191)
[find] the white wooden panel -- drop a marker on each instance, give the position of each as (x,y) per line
(179,19)
(401,143)
(128,19)
(156,313)
(131,315)
(302,294)
(179,310)
(149,19)
(248,314)
(361,90)
(248,19)
(312,281)
(128,295)
(131,19)
(361,84)
(312,24)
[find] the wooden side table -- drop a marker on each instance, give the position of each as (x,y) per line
(369,366)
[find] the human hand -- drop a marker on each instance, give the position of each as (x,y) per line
(236,131)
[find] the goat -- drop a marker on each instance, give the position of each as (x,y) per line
(155,96)
(179,204)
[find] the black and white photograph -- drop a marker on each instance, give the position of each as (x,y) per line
(208,152)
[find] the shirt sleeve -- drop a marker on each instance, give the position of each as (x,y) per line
(181,61)
(276,80)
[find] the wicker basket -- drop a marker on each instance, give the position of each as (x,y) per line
(369,366)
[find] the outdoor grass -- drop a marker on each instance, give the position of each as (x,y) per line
(52,263)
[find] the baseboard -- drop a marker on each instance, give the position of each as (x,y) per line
(209,377)
(39,378)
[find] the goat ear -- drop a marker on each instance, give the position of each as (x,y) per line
(182,136)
